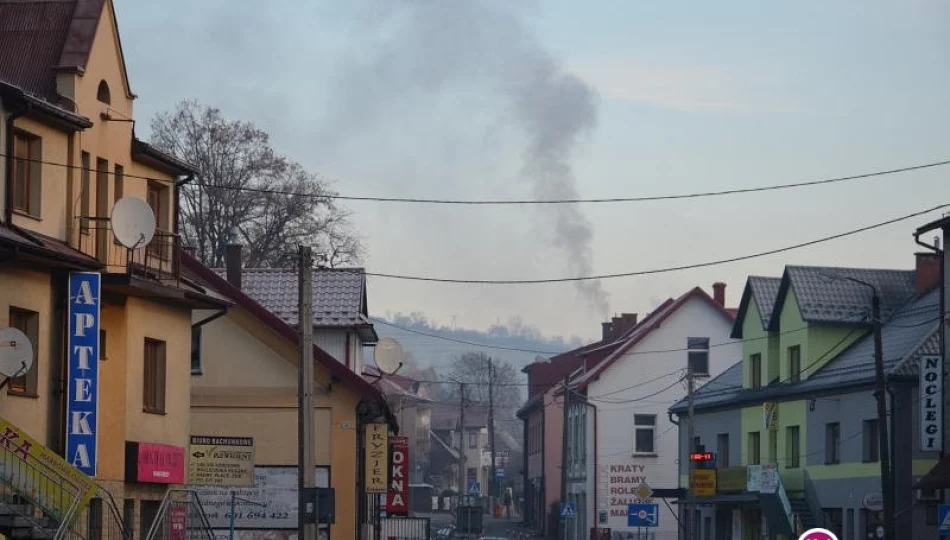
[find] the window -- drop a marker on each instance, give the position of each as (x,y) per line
(871,442)
(27,322)
(832,443)
(834,521)
(755,370)
(148,511)
(153,391)
(471,474)
(196,350)
(754,456)
(849,525)
(722,450)
(157,198)
(85,186)
(119,182)
(128,515)
(792,447)
(931,517)
(707,528)
(698,444)
(773,446)
(102,93)
(644,431)
(103,350)
(473,439)
(94,517)
(698,355)
(27,177)
(795,363)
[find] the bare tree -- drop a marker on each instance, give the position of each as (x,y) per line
(244,186)
(472,367)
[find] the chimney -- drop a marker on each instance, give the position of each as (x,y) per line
(719,293)
(629,320)
(232,261)
(928,271)
(607,330)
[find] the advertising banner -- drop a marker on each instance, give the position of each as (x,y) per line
(82,380)
(221,461)
(153,463)
(397,500)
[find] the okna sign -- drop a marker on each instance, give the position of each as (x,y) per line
(82,405)
(397,503)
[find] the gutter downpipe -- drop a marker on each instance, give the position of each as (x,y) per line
(175,211)
(8,181)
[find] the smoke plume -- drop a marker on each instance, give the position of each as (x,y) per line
(429,46)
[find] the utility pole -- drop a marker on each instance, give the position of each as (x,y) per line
(462,456)
(887,485)
(564,448)
(305,458)
(690,436)
(492,490)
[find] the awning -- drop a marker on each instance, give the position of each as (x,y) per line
(936,478)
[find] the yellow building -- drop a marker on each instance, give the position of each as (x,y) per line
(244,385)
(109,386)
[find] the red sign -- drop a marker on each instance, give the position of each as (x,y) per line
(702,456)
(160,464)
(397,500)
(178,522)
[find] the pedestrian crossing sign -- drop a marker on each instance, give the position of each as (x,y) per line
(943,520)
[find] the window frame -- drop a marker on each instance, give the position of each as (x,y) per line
(645,423)
(472,438)
(698,352)
(85,187)
(755,450)
(722,454)
(196,366)
(793,447)
(755,371)
(28,322)
(31,166)
(795,363)
(870,435)
(154,375)
(832,443)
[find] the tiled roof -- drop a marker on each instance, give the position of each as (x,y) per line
(338,294)
(911,332)
(764,292)
(825,294)
(32,36)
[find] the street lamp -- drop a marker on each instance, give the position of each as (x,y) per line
(886,481)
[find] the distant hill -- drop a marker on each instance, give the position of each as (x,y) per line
(415,331)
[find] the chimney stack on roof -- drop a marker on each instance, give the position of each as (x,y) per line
(928,271)
(233,263)
(719,293)
(607,330)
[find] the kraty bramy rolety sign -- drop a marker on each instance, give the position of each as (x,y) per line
(377,458)
(82,380)
(221,461)
(56,492)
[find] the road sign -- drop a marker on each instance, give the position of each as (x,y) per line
(643,491)
(499,473)
(943,519)
(568,510)
(643,515)
(474,488)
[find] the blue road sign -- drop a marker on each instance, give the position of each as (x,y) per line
(643,515)
(943,519)
(568,509)
(499,473)
(474,488)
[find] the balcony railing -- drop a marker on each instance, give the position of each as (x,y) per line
(156,261)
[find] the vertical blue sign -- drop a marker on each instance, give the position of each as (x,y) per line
(82,405)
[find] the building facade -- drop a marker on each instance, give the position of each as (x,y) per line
(794,425)
(110,325)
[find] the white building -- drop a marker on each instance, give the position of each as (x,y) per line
(619,433)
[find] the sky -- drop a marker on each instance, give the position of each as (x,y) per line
(501,99)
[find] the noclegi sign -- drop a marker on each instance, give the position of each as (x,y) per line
(931,403)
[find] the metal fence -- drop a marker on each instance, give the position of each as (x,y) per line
(408,528)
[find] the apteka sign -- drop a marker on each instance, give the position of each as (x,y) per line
(931,403)
(82,405)
(397,500)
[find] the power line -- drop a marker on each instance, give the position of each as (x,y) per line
(462,341)
(660,270)
(497,202)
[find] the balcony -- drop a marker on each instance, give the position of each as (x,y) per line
(156,262)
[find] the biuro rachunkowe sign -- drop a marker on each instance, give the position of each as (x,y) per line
(82,384)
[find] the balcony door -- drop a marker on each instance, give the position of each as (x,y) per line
(103,233)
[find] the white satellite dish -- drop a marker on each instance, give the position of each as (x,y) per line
(389,355)
(133,222)
(16,353)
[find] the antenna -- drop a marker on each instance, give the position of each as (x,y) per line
(16,353)
(133,222)
(389,355)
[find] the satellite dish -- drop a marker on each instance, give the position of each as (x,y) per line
(133,222)
(16,353)
(389,355)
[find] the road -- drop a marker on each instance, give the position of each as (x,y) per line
(491,526)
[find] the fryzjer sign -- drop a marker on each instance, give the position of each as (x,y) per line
(221,461)
(931,403)
(377,454)
(82,380)
(397,500)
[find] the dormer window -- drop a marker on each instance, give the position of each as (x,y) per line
(102,94)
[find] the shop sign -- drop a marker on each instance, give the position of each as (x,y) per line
(931,403)
(703,482)
(377,454)
(873,501)
(762,478)
(152,463)
(770,415)
(397,500)
(623,487)
(221,461)
(82,380)
(731,479)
